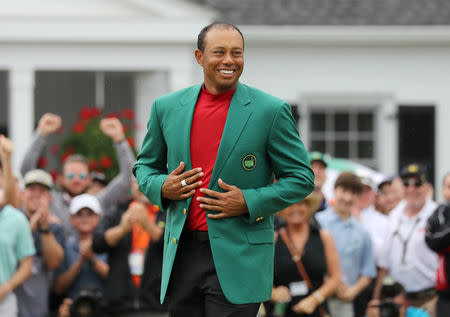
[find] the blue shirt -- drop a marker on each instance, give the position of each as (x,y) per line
(353,245)
(87,276)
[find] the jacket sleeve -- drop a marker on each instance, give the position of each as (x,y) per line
(33,153)
(437,235)
(151,166)
(289,159)
(119,186)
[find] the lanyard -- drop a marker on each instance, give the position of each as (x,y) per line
(408,237)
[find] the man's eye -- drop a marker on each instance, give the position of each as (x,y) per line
(237,53)
(218,52)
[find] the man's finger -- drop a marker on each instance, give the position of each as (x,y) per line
(219,216)
(192,172)
(187,195)
(225,186)
(211,193)
(178,170)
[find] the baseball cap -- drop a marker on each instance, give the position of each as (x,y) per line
(40,177)
(414,170)
(384,181)
(368,181)
(85,201)
(316,156)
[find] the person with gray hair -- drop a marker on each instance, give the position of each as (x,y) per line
(75,172)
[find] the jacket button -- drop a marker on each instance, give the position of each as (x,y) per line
(259,218)
(175,240)
(184,210)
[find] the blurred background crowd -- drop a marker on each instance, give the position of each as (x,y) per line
(77,243)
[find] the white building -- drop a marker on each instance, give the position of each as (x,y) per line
(374,93)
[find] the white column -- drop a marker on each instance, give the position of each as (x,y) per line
(387,138)
(148,86)
(21,111)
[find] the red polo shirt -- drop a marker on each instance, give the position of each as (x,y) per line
(206,132)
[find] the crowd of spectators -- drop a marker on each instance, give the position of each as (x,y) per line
(81,243)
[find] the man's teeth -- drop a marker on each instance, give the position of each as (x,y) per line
(227,72)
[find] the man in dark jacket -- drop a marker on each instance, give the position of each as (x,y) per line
(437,238)
(132,236)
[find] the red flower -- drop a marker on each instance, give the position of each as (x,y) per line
(127,114)
(85,113)
(95,112)
(106,162)
(130,141)
(54,174)
(54,149)
(64,156)
(71,149)
(92,163)
(78,127)
(42,162)
(88,113)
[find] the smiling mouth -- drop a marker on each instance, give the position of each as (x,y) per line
(226,72)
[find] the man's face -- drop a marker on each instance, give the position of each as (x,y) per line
(33,196)
(415,192)
(320,175)
(222,59)
(76,178)
(85,221)
(345,199)
(446,188)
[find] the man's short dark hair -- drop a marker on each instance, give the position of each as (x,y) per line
(223,25)
(349,181)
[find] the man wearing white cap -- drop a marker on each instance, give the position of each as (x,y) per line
(81,266)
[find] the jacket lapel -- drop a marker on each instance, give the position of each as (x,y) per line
(238,115)
(187,105)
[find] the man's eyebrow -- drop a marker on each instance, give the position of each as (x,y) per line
(222,47)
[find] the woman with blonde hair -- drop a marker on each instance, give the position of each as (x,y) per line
(306,270)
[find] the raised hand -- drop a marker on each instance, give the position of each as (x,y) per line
(181,185)
(231,203)
(113,128)
(49,123)
(6,147)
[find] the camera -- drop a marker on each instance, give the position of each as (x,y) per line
(389,309)
(87,303)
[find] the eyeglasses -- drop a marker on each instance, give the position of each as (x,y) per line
(71,176)
(411,181)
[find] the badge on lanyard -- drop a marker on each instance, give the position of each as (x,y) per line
(136,262)
(298,288)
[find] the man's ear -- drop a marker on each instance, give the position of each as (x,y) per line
(199,57)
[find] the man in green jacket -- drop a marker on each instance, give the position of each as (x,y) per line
(209,159)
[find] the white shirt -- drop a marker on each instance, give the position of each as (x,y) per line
(377,225)
(413,266)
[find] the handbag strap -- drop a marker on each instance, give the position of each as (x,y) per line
(296,257)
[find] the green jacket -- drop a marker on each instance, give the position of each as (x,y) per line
(260,142)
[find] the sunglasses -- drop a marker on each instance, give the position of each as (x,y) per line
(72,175)
(415,182)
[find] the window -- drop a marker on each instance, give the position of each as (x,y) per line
(344,133)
